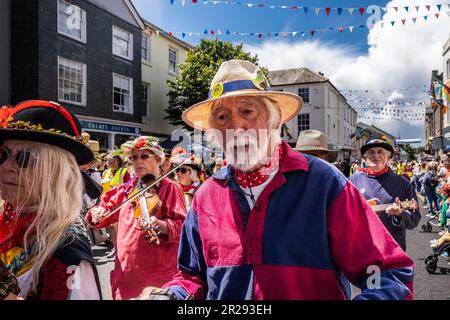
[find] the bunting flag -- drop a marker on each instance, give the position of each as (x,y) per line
(305,9)
(312,32)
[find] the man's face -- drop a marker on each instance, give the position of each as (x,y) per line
(319,154)
(14,179)
(144,162)
(376,158)
(243,124)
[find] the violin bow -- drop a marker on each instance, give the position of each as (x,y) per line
(143,190)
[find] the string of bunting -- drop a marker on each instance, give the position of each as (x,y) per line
(316,10)
(293,34)
(389,90)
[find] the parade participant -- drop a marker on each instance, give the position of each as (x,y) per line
(43,241)
(314,142)
(116,174)
(188,175)
(430,182)
(400,167)
(379,182)
(218,165)
(139,264)
(167,165)
(274,223)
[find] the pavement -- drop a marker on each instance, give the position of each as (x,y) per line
(426,286)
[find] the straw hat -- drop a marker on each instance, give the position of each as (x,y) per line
(314,140)
(236,78)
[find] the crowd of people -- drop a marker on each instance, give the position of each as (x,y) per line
(279,223)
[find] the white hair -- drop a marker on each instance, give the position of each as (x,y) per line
(55,183)
(274,120)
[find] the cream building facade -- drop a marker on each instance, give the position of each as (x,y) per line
(161,56)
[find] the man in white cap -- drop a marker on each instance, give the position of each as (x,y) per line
(314,142)
(274,223)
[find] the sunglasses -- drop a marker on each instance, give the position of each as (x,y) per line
(24,158)
(182,170)
(143,156)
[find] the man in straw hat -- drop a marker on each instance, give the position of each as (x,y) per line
(314,142)
(44,248)
(274,223)
(138,263)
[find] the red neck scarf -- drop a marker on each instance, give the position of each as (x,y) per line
(188,188)
(13,227)
(258,177)
(375,174)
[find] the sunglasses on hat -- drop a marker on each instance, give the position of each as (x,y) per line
(24,158)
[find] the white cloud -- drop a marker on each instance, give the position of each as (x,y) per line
(398,57)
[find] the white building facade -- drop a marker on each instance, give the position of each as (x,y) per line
(324,109)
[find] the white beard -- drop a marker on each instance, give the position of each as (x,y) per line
(247,160)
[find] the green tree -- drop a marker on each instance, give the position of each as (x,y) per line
(412,152)
(202,63)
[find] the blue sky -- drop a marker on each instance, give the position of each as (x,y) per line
(386,57)
(238,18)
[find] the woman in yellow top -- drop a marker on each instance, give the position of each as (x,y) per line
(116,174)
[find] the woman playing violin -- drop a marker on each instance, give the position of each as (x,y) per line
(139,262)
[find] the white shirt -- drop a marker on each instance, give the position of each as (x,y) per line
(257,190)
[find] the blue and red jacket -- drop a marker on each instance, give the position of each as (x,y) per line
(309,235)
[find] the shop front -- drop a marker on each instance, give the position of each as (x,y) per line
(109,133)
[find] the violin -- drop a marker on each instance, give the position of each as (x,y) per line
(405,205)
(139,192)
(145,205)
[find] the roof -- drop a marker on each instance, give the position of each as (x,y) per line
(135,13)
(163,33)
(372,128)
(294,76)
(299,76)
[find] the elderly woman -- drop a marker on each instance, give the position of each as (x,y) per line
(377,181)
(188,175)
(140,263)
(274,223)
(44,247)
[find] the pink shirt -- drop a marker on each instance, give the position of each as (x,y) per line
(139,264)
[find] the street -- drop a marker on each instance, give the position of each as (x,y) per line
(426,286)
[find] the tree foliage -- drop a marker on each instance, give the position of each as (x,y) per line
(196,73)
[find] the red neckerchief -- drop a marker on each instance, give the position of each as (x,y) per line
(13,227)
(188,188)
(375,174)
(258,177)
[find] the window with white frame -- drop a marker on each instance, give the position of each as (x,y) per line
(71,81)
(146,99)
(145,48)
(448,69)
(123,94)
(303,122)
(173,60)
(122,43)
(71,21)
(304,94)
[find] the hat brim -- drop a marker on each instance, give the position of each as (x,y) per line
(332,154)
(289,104)
(82,153)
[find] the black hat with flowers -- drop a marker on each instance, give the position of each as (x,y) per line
(45,122)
